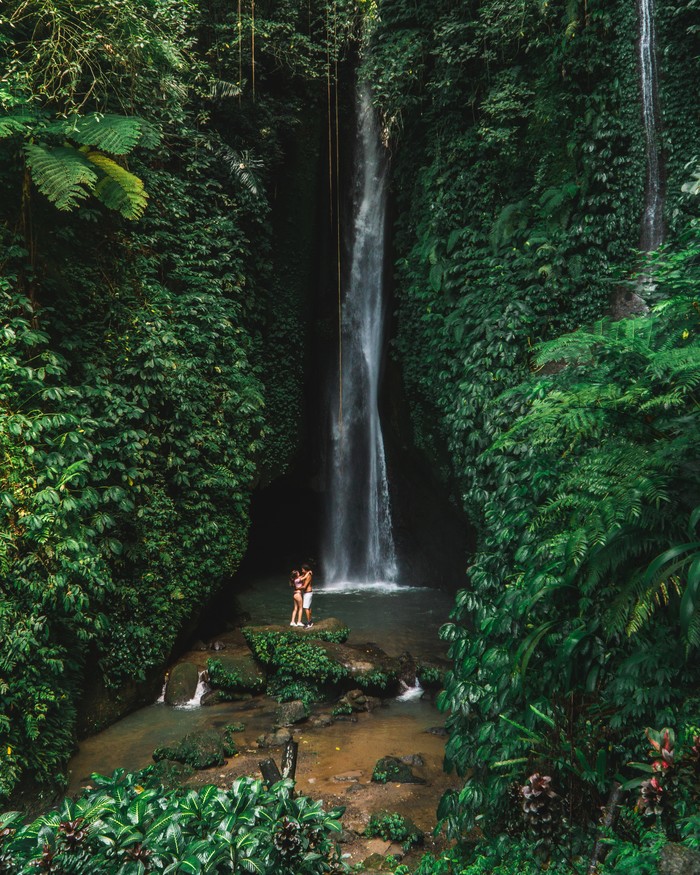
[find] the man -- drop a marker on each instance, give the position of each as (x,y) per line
(307,578)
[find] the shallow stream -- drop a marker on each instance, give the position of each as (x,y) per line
(396,618)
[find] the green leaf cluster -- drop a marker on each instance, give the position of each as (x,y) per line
(129,823)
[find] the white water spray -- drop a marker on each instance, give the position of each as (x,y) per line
(359,543)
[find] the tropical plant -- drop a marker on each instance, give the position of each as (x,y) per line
(128,823)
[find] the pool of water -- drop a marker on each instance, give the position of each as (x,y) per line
(395,617)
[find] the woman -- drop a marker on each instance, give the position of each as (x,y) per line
(297,582)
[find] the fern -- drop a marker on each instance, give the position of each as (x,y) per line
(116,134)
(119,189)
(62,173)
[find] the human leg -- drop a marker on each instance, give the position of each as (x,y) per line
(296,615)
(308,596)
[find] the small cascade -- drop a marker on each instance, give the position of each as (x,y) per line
(359,541)
(202,688)
(652,235)
(408,694)
(161,698)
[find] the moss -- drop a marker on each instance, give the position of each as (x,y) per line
(231,677)
(264,642)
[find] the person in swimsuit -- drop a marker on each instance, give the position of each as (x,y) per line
(297,584)
(307,578)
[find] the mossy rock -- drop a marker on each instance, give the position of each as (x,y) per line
(431,673)
(263,640)
(377,863)
(182,683)
(390,770)
(235,673)
(201,750)
(366,666)
(289,713)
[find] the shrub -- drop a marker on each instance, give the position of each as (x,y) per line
(394,827)
(128,823)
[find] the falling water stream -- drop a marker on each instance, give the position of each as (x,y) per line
(652,223)
(359,543)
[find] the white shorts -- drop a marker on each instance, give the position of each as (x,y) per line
(307,599)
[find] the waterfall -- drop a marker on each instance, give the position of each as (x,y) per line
(359,543)
(652,223)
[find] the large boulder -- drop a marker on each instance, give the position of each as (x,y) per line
(289,713)
(365,665)
(679,860)
(263,640)
(182,683)
(274,739)
(235,672)
(431,673)
(357,700)
(392,770)
(201,750)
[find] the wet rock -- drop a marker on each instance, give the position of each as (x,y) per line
(321,721)
(345,718)
(346,836)
(679,860)
(431,673)
(366,665)
(356,700)
(201,750)
(182,683)
(348,777)
(413,759)
(289,713)
(212,697)
(199,646)
(392,770)
(274,739)
(407,669)
(235,672)
(437,730)
(377,862)
(217,645)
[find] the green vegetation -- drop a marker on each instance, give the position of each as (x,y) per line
(129,823)
(394,827)
(569,439)
(154,291)
(142,319)
(265,644)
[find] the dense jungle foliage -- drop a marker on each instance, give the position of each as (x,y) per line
(152,299)
(152,311)
(519,171)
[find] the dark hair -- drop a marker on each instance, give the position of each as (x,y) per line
(306,567)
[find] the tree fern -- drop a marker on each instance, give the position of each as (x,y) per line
(116,134)
(62,173)
(119,189)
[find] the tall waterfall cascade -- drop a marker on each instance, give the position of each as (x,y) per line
(652,223)
(359,541)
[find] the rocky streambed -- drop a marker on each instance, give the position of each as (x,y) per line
(359,746)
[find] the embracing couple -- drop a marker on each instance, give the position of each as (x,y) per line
(300,581)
